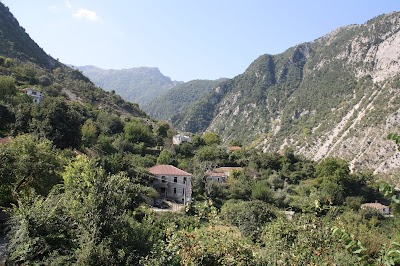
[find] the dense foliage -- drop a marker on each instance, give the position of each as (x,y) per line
(179,99)
(73,180)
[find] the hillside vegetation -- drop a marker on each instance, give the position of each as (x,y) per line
(179,99)
(335,96)
(75,189)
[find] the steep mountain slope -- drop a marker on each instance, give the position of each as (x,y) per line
(139,85)
(335,96)
(23,60)
(179,99)
(16,43)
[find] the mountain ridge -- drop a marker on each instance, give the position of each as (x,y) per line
(179,98)
(139,85)
(306,96)
(22,59)
(16,43)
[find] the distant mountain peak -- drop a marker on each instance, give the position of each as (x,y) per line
(137,84)
(335,96)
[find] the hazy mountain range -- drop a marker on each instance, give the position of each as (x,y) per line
(139,85)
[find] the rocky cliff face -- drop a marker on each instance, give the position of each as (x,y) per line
(336,96)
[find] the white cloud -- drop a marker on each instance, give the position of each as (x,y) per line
(52,8)
(68,4)
(86,14)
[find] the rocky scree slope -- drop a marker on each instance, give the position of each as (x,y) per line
(336,96)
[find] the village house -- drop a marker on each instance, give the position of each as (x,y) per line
(5,140)
(377,206)
(172,183)
(180,138)
(37,95)
(221,174)
(233,148)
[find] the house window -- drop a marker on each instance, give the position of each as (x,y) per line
(183,191)
(184,180)
(174,190)
(175,179)
(163,179)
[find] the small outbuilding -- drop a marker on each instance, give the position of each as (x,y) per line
(385,210)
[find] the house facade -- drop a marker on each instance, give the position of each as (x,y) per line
(35,94)
(172,183)
(377,206)
(180,138)
(221,174)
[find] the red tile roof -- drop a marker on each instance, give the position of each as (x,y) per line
(228,169)
(223,171)
(167,170)
(5,140)
(234,148)
(210,173)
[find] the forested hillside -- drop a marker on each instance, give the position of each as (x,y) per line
(335,96)
(139,85)
(179,99)
(75,190)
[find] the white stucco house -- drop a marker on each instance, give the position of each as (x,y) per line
(377,206)
(37,95)
(172,183)
(181,138)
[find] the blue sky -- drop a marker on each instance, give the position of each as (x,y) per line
(185,39)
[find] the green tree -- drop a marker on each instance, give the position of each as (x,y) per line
(137,131)
(162,132)
(23,118)
(7,86)
(248,216)
(109,123)
(166,157)
(262,191)
(57,121)
(197,141)
(89,133)
(28,163)
(211,138)
(162,129)
(216,154)
(211,245)
(93,220)
(7,117)
(336,170)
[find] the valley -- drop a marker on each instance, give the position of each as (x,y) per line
(293,162)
